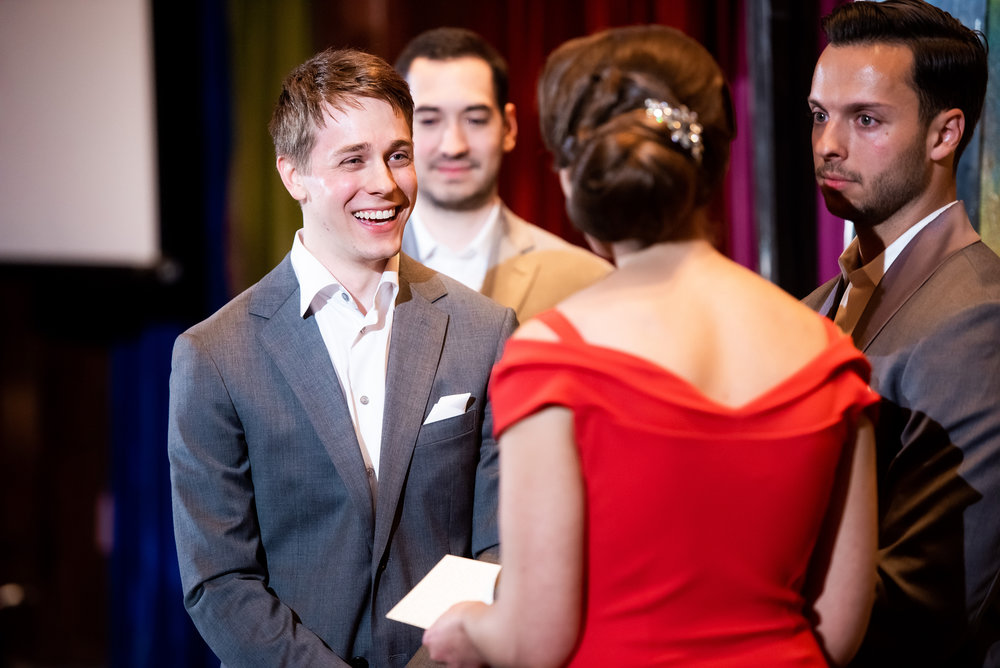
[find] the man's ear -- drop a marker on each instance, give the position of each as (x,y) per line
(291,176)
(509,127)
(945,132)
(600,248)
(565,183)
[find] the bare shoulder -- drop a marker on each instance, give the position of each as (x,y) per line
(777,316)
(535,330)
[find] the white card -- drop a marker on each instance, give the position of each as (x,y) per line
(452,580)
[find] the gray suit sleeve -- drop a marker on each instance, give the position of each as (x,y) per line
(215,525)
(485,536)
(939,461)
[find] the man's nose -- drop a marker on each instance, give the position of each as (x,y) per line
(828,140)
(453,141)
(380,179)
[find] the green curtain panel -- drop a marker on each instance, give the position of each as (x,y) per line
(268,39)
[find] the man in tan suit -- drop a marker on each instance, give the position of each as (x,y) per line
(463,124)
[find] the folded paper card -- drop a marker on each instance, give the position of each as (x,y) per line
(448,407)
(452,580)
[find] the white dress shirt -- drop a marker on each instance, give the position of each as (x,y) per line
(467,266)
(862,279)
(358,343)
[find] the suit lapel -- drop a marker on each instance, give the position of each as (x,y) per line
(945,235)
(509,282)
(297,348)
(829,306)
(418,333)
(513,269)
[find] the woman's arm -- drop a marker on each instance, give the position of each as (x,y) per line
(536,618)
(841,586)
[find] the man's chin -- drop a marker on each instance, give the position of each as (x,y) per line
(838,205)
(459,202)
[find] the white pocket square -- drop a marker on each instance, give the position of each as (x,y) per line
(448,407)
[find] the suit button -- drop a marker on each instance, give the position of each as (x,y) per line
(358,662)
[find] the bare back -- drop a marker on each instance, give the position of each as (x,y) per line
(682,306)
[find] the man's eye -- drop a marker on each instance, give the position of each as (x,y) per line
(399,156)
(427,122)
(866,121)
(818,116)
(474,120)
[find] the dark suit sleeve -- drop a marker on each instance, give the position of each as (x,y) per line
(215,525)
(486,535)
(939,461)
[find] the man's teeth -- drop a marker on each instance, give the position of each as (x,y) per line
(384,214)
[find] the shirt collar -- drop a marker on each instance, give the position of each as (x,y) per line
(850,259)
(481,245)
(317,284)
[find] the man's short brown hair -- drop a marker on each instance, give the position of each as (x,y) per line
(337,78)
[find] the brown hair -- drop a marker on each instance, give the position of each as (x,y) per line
(337,78)
(450,43)
(630,180)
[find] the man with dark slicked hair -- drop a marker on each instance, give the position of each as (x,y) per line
(895,99)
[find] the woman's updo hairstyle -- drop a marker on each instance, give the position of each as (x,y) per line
(629,179)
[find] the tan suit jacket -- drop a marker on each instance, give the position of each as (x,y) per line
(532,269)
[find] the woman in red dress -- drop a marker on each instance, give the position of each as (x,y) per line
(687,469)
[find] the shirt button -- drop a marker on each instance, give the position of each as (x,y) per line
(370,471)
(364,329)
(345,296)
(364,400)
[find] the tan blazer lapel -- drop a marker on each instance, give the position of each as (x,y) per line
(510,282)
(945,235)
(513,270)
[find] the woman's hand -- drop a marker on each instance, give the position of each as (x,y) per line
(448,641)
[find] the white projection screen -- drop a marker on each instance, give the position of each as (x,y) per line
(78,182)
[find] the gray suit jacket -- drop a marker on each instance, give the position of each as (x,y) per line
(284,559)
(932,334)
(532,269)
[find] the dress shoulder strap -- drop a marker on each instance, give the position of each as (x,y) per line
(557,322)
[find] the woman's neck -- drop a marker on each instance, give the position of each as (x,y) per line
(661,257)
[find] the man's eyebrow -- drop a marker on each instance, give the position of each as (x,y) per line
(854,107)
(430,109)
(354,148)
(874,106)
(400,143)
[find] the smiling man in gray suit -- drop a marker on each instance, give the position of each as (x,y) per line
(895,97)
(330,432)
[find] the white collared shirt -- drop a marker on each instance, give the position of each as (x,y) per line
(358,344)
(862,279)
(467,266)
